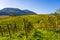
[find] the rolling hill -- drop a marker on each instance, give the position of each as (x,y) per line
(30,27)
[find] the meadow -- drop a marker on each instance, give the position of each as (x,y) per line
(30,27)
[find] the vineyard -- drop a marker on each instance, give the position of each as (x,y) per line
(30,27)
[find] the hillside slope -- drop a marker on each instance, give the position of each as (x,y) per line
(15,11)
(30,27)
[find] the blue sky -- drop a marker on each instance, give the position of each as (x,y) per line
(38,6)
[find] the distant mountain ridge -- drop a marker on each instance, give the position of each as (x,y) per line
(15,11)
(28,11)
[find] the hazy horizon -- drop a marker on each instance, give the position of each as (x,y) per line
(38,6)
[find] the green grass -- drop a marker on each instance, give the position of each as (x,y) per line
(42,27)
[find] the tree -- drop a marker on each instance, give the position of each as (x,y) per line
(58,11)
(13,14)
